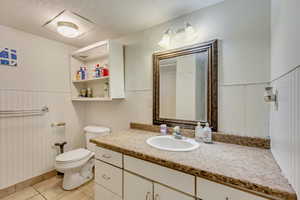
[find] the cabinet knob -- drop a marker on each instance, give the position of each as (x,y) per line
(148,196)
(106,156)
(156,197)
(227,198)
(105,177)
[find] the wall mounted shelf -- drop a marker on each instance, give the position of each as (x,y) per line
(104,53)
(90,80)
(91,99)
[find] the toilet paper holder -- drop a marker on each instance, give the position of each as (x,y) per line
(58,124)
(271,95)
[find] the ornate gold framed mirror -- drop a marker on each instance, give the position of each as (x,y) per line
(185,86)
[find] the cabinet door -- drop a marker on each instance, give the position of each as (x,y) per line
(103,194)
(137,188)
(164,193)
(208,190)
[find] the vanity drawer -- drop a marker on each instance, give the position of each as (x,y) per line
(173,178)
(206,190)
(109,156)
(109,177)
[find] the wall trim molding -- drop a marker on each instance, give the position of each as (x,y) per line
(29,182)
(28,90)
(244,84)
(285,74)
(138,90)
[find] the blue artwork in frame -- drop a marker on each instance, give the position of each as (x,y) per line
(8,57)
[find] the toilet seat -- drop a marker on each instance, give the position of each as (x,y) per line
(73,156)
(72,159)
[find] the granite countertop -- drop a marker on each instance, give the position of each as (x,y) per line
(248,168)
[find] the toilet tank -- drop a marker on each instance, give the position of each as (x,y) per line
(92,132)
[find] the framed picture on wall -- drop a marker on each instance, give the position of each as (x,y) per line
(8,57)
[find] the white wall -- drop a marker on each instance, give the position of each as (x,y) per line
(243,27)
(41,78)
(285,122)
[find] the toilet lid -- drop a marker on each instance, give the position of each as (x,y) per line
(74,155)
(96,129)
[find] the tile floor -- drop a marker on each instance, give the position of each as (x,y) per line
(51,189)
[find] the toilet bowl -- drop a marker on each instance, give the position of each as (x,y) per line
(77,165)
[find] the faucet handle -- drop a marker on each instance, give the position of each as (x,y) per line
(176,129)
(176,132)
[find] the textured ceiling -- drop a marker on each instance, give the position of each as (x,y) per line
(113,18)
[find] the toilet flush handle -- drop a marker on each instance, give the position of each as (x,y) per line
(61,146)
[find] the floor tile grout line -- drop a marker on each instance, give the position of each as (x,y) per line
(39,193)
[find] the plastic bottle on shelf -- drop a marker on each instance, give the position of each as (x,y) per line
(77,76)
(105,70)
(81,73)
(94,73)
(86,74)
(98,71)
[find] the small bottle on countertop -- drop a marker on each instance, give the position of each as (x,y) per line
(163,129)
(207,134)
(199,132)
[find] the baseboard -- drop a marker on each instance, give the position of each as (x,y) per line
(19,186)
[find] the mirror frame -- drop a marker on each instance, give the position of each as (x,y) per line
(211,48)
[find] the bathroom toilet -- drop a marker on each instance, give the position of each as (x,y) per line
(77,165)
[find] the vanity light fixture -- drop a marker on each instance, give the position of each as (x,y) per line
(165,41)
(186,34)
(67,29)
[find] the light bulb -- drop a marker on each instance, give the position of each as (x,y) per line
(190,32)
(67,29)
(165,41)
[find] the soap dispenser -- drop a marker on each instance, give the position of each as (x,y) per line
(207,134)
(199,132)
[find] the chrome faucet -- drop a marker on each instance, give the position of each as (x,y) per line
(176,133)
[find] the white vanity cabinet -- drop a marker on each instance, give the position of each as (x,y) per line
(122,177)
(165,193)
(137,188)
(208,190)
(102,193)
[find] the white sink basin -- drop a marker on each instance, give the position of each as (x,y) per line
(169,143)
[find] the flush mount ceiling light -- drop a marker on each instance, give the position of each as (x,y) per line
(67,29)
(69,24)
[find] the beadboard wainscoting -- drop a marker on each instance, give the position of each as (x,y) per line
(242,110)
(285,126)
(27,143)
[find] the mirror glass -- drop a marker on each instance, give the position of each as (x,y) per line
(183,87)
